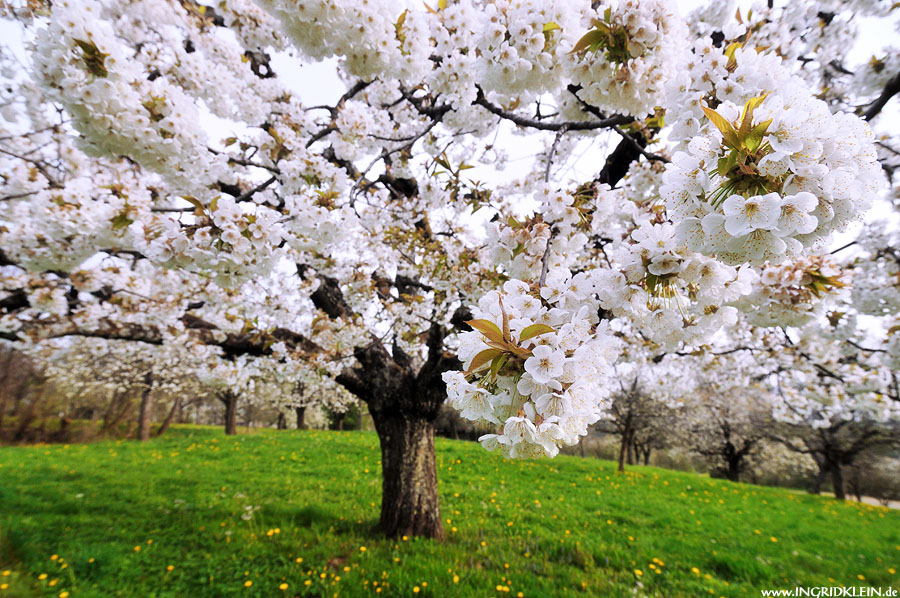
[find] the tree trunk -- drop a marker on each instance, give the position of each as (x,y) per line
(837,481)
(339,420)
(301,417)
(176,407)
(647,456)
(146,409)
(820,478)
(248,415)
(409,501)
(230,400)
(626,438)
(629,450)
(4,389)
(281,422)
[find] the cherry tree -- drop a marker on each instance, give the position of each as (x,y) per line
(165,183)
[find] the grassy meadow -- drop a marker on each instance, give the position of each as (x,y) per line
(196,514)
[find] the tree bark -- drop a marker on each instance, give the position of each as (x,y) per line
(248,415)
(230,400)
(409,501)
(281,423)
(301,417)
(339,420)
(176,407)
(820,478)
(146,409)
(623,447)
(837,481)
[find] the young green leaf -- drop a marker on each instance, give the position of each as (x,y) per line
(488,329)
(594,36)
(533,331)
(482,359)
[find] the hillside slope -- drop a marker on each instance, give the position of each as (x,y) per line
(197,515)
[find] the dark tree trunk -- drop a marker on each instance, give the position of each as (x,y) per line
(248,415)
(176,407)
(301,417)
(623,446)
(820,478)
(339,421)
(837,481)
(281,423)
(230,399)
(4,388)
(647,455)
(404,405)
(409,498)
(26,418)
(146,409)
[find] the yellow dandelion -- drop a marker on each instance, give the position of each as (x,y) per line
(4,586)
(773,539)
(283,587)
(63,595)
(308,582)
(892,570)
(695,570)
(170,567)
(861,577)
(248,583)
(362,548)
(42,576)
(54,557)
(137,548)
(638,572)
(405,538)
(456,579)
(416,590)
(6,573)
(91,560)
(299,559)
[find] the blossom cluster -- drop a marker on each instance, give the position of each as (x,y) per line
(767,171)
(792,293)
(625,62)
(538,361)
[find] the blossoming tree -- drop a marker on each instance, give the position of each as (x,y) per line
(163,182)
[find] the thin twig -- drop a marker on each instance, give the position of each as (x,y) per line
(559,135)
(545,259)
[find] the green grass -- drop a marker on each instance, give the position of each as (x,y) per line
(562,527)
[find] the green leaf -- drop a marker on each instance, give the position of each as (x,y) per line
(482,359)
(230,141)
(497,364)
(551,26)
(533,331)
(121,221)
(488,329)
(94,59)
(398,27)
(194,202)
(592,37)
(729,135)
(727,163)
(755,136)
(747,116)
